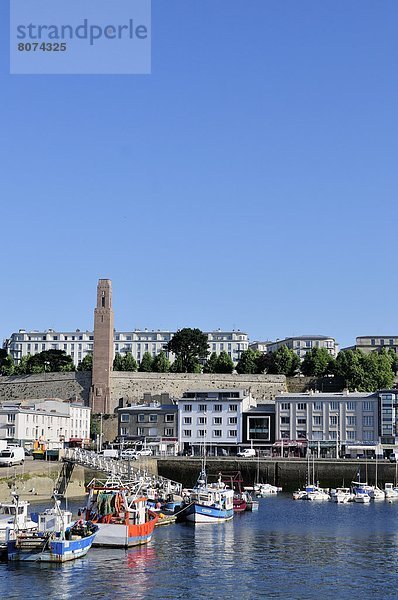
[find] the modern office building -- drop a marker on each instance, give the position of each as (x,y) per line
(152,424)
(50,421)
(302,344)
(212,420)
(342,423)
(258,428)
(79,343)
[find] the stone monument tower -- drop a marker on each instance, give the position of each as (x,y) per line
(100,397)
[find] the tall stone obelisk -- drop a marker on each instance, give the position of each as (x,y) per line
(100,397)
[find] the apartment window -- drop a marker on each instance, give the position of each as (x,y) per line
(333,420)
(153,418)
(232,433)
(233,407)
(125,418)
(285,405)
(351,435)
(373,342)
(168,432)
(367,406)
(369,435)
(351,405)
(217,408)
(317,405)
(368,421)
(391,342)
(317,436)
(11,418)
(317,421)
(217,420)
(217,433)
(233,420)
(186,433)
(285,434)
(285,420)
(301,435)
(202,407)
(202,420)
(187,407)
(301,421)
(333,435)
(140,431)
(301,406)
(201,432)
(123,431)
(187,420)
(169,418)
(381,342)
(334,406)
(141,418)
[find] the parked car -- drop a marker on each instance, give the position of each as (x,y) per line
(393,457)
(246,453)
(136,454)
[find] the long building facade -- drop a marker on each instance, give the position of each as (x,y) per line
(79,343)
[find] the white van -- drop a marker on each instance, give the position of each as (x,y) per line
(246,453)
(12,455)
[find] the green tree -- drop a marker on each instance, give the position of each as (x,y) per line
(51,361)
(248,362)
(365,372)
(87,363)
(283,362)
(378,371)
(210,365)
(118,362)
(317,363)
(393,356)
(129,363)
(146,363)
(224,363)
(7,366)
(161,363)
(189,346)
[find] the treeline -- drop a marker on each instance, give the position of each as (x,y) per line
(364,372)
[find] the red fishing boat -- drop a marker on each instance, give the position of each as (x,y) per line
(234,481)
(122,515)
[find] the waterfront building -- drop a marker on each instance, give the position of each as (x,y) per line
(329,423)
(304,343)
(153,423)
(388,419)
(369,343)
(259,346)
(258,428)
(212,419)
(50,421)
(79,343)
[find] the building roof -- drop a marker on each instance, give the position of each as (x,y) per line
(314,395)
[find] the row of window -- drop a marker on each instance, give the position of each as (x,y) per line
(367,406)
(205,408)
(368,421)
(141,418)
(167,432)
(216,420)
(216,433)
(320,435)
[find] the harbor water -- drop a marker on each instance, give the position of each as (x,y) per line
(288,549)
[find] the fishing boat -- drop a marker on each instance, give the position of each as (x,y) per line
(121,513)
(13,514)
(234,481)
(56,539)
(207,502)
(265,489)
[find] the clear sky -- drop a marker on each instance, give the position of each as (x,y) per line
(250,182)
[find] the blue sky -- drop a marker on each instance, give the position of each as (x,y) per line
(249,182)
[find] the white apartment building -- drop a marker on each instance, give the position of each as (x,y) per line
(79,343)
(50,421)
(303,343)
(212,419)
(327,422)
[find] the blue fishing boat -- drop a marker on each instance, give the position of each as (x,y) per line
(57,539)
(207,502)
